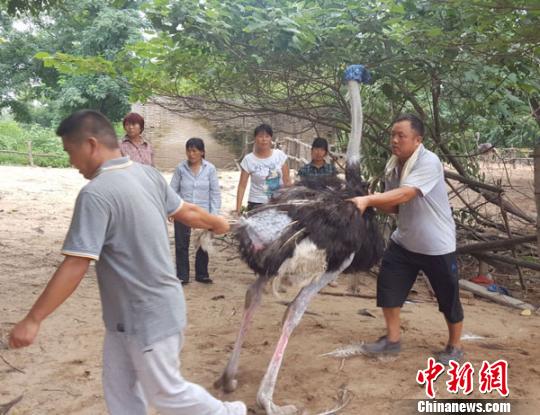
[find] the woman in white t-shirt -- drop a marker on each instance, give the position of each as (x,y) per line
(267,168)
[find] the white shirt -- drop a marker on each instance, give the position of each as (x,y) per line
(266,175)
(425,223)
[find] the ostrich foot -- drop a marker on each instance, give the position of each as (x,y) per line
(272,409)
(226,383)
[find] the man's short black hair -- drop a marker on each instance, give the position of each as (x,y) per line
(416,123)
(263,128)
(320,142)
(88,123)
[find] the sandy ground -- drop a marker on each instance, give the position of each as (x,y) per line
(60,374)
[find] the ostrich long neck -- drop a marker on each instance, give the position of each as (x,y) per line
(355,139)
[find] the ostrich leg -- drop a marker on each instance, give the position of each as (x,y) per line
(293,315)
(227,380)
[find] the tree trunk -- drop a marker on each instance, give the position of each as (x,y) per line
(537,192)
(535,110)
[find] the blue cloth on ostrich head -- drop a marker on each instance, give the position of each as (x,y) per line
(357,73)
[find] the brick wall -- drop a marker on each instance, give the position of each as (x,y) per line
(168,133)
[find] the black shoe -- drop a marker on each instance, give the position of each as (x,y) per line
(204,280)
(184,282)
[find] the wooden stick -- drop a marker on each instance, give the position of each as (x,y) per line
(307,312)
(474,211)
(10,365)
(472,183)
(472,231)
(506,260)
(494,245)
(371,297)
(497,199)
(491,193)
(25,153)
(5,407)
(494,296)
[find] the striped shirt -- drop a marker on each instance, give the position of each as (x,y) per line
(141,153)
(310,169)
(201,189)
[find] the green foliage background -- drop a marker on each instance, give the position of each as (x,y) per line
(467,67)
(15,136)
(36,92)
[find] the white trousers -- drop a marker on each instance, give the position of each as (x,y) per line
(134,377)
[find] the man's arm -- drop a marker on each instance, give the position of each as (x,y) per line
(196,217)
(62,284)
(387,201)
(389,209)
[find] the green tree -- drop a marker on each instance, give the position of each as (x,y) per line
(464,66)
(22,7)
(37,91)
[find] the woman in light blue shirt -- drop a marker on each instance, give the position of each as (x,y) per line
(196,181)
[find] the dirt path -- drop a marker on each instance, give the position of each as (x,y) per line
(62,370)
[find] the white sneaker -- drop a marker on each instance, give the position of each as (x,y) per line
(236,408)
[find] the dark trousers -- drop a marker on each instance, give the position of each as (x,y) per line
(182,234)
(398,272)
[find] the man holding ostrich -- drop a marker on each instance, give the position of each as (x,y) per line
(425,238)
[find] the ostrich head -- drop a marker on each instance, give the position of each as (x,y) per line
(354,76)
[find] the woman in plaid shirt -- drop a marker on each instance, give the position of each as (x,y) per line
(133,144)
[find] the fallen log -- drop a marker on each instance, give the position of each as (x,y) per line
(495,245)
(507,260)
(494,296)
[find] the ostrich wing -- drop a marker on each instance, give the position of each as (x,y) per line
(270,234)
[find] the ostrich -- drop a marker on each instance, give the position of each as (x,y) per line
(483,148)
(313,219)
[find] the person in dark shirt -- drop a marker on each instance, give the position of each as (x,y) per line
(318,165)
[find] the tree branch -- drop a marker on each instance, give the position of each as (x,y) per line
(494,245)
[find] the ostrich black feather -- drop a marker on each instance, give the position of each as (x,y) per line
(317,208)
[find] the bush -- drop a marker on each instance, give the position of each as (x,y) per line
(14,136)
